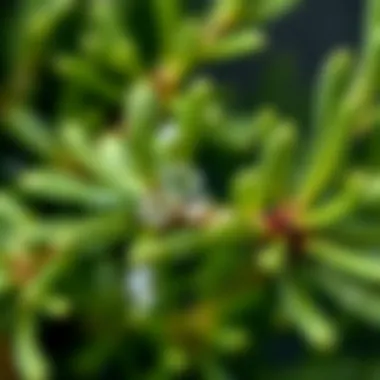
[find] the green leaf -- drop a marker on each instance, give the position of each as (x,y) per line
(370,195)
(244,134)
(152,249)
(226,12)
(337,209)
(160,249)
(354,298)
(358,264)
(356,233)
(31,131)
(371,24)
(115,166)
(272,259)
(84,74)
(68,239)
(108,160)
(230,339)
(175,361)
(309,320)
(168,17)
(107,41)
(247,192)
(12,210)
(236,45)
(56,307)
(141,118)
(268,10)
(331,85)
(15,221)
(68,233)
(29,359)
(276,164)
(44,16)
(371,51)
(76,143)
(331,147)
(63,188)
(187,46)
(191,114)
(253,189)
(370,62)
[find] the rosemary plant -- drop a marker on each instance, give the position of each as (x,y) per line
(113,225)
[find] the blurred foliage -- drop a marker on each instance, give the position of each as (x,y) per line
(149,229)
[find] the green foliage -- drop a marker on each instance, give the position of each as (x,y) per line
(114,226)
